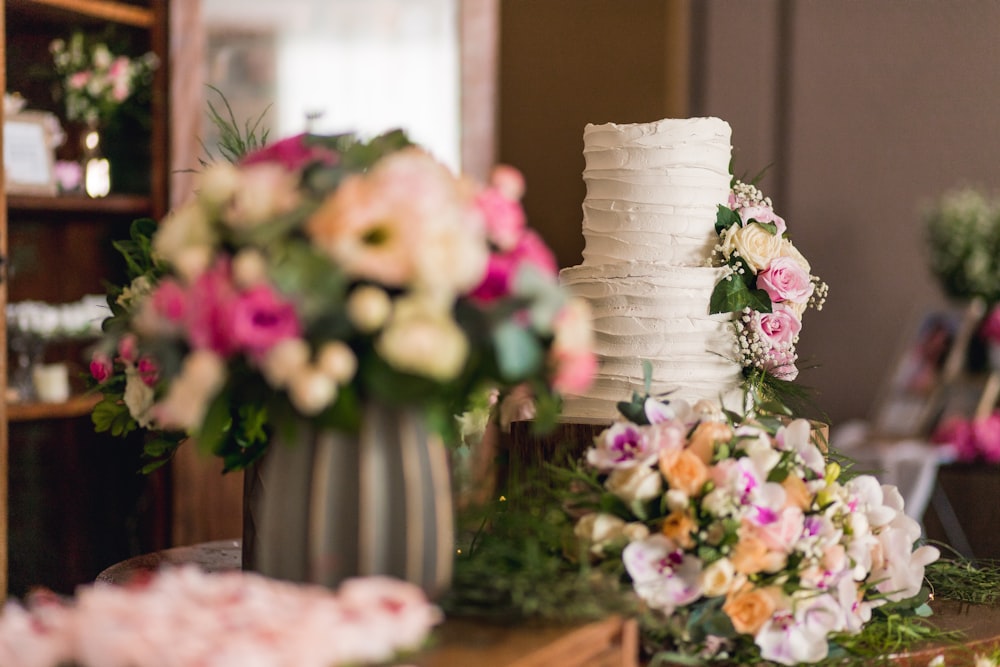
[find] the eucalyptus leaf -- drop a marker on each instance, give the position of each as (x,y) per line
(518,351)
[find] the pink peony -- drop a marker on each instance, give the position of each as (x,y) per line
(170,301)
(292,153)
(100,366)
(785,280)
(261,318)
(209,314)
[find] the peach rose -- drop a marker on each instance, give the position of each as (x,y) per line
(684,471)
(751,555)
(750,608)
(796,492)
(706,435)
(679,526)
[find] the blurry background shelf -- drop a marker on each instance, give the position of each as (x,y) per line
(114,204)
(74,10)
(76,406)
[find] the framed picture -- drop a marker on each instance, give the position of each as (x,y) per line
(28,154)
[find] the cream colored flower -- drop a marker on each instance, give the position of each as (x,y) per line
(789,250)
(337,360)
(756,245)
(138,397)
(422,339)
(311,391)
(368,308)
(249,268)
(202,375)
(635,483)
(717,578)
(217,184)
(265,191)
(186,227)
(285,358)
(599,530)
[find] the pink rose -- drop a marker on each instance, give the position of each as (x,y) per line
(292,153)
(128,349)
(261,318)
(100,366)
(763,215)
(149,371)
(778,329)
(785,280)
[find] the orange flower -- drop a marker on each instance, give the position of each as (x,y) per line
(750,608)
(684,471)
(751,555)
(679,526)
(705,436)
(796,492)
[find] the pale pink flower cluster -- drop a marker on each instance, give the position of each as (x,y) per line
(758,243)
(790,562)
(182,617)
(95,81)
(973,439)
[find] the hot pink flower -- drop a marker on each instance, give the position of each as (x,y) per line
(956,433)
(292,153)
(986,433)
(261,318)
(210,311)
(990,329)
(128,348)
(149,371)
(170,301)
(502,267)
(785,280)
(100,366)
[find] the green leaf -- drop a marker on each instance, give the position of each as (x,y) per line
(216,424)
(105,413)
(518,351)
(726,218)
(732,295)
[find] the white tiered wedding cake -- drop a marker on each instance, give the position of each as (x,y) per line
(653,191)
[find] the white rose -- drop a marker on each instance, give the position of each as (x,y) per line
(635,483)
(285,358)
(138,397)
(756,245)
(185,227)
(265,192)
(218,183)
(717,578)
(452,257)
(789,250)
(311,391)
(677,500)
(368,308)
(337,360)
(423,341)
(249,268)
(202,375)
(599,530)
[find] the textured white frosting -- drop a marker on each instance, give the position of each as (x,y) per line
(648,224)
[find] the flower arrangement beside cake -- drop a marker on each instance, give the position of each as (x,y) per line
(322,272)
(742,540)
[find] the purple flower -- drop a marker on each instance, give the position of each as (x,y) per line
(622,445)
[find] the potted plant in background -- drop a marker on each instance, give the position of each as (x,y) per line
(334,303)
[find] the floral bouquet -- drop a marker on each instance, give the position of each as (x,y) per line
(95,82)
(742,541)
(963,242)
(183,616)
(319,273)
(768,284)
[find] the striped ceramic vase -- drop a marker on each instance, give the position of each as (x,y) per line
(330,506)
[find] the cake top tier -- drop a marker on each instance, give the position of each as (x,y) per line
(667,133)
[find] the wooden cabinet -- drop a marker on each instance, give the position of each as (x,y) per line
(76,502)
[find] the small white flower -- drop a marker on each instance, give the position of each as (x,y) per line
(311,391)
(337,360)
(368,308)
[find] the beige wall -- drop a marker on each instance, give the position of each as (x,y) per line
(865,109)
